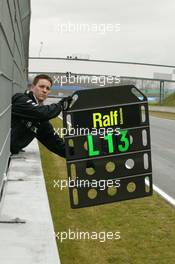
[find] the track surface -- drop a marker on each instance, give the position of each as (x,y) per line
(163,154)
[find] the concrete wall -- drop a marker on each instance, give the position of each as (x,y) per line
(14,43)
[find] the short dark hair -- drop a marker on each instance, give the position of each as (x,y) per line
(42,76)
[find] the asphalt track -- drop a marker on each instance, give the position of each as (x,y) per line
(163,154)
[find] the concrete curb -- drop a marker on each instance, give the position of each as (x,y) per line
(25,198)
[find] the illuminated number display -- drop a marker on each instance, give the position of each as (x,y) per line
(115,142)
(122,146)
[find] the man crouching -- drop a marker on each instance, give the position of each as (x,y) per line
(30,118)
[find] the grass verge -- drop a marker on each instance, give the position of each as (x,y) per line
(164,115)
(169,100)
(146,226)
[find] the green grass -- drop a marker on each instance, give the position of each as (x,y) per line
(169,100)
(147,225)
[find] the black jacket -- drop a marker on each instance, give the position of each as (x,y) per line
(30,120)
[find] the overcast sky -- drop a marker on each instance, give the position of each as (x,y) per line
(147,29)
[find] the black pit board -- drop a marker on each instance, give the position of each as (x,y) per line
(96,166)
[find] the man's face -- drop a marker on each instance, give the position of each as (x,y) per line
(41,90)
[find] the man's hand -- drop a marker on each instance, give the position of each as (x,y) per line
(65,102)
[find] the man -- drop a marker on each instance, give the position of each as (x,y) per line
(30,118)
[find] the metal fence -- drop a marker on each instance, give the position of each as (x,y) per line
(14,41)
(155,89)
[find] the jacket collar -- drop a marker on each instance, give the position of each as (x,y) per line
(31,95)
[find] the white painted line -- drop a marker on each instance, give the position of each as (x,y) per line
(167,197)
(164,195)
